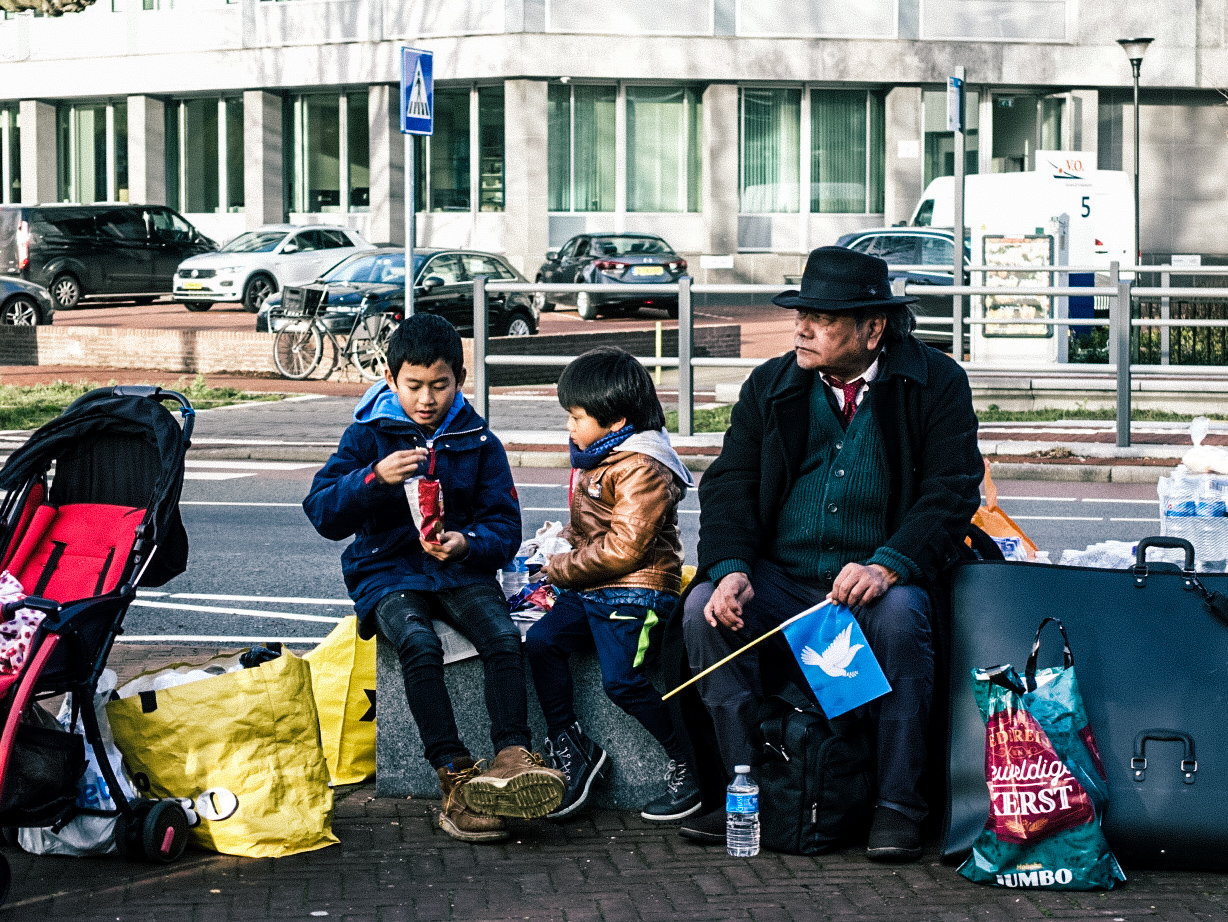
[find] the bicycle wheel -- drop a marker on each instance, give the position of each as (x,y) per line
(297,350)
(369,352)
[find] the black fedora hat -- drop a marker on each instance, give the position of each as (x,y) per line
(839,279)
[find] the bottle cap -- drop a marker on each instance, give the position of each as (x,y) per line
(742,769)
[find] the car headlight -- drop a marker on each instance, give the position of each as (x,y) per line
(227,270)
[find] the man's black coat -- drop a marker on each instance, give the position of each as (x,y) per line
(923,408)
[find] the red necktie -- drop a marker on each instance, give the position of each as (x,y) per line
(851,390)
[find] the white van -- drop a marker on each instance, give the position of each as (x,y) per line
(1099,204)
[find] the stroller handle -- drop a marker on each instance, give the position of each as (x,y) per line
(154,392)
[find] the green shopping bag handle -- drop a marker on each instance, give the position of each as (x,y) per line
(1029,671)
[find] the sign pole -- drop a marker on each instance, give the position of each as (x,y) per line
(410,225)
(955,124)
(417,117)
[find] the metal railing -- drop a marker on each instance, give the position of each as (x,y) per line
(1119,295)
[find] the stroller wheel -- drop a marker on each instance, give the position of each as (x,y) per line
(128,830)
(6,878)
(164,832)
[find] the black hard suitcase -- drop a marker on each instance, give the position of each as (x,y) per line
(1152,662)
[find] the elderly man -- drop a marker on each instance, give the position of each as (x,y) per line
(850,471)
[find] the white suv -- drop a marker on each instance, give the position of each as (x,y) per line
(254,265)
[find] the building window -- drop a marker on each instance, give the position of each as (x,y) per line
(92,142)
(663,149)
(10,156)
(490,148)
(330,162)
(460,166)
(204,155)
(580,147)
(940,143)
(770,150)
(847,151)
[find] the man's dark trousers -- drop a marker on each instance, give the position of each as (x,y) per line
(898,630)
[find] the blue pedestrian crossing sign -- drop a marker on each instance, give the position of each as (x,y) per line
(417,91)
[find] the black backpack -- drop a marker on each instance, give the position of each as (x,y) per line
(816,776)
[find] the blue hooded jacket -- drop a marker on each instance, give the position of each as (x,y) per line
(479,500)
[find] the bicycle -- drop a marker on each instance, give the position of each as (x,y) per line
(298,348)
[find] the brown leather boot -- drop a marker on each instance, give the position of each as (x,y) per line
(517,784)
(455,818)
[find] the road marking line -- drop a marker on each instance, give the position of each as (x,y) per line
(210,638)
(250,465)
(1137,502)
(214,475)
(1041,499)
(201,502)
(1057,518)
(280,600)
(249,612)
(1152,519)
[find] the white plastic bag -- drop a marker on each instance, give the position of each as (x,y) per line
(547,542)
(1204,459)
(86,835)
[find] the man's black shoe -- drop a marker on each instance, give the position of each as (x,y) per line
(707,829)
(583,762)
(682,796)
(893,837)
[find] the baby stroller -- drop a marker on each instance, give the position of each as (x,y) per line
(80,541)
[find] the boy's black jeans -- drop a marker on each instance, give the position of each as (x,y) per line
(480,613)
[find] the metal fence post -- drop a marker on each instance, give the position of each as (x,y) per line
(481,387)
(1119,335)
(1165,314)
(686,330)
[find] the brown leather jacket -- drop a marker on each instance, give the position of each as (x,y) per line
(624,527)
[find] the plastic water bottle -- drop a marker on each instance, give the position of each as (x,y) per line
(1212,543)
(1179,506)
(515,576)
(742,814)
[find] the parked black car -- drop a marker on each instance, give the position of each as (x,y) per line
(24,304)
(89,251)
(932,251)
(444,286)
(621,261)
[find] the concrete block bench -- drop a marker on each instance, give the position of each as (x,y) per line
(638,771)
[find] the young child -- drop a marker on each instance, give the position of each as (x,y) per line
(414,422)
(621,581)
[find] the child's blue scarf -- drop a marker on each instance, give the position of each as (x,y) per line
(595,453)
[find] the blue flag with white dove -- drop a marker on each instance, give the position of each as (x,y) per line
(835,657)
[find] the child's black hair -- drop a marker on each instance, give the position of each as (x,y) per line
(609,384)
(424,339)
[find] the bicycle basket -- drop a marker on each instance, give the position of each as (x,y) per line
(305,301)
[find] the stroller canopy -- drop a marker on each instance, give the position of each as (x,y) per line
(120,446)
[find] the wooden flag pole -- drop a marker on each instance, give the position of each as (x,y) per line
(740,651)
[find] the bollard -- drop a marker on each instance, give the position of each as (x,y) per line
(481,386)
(686,389)
(1119,338)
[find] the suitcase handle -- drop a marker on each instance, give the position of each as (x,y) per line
(1140,566)
(1138,764)
(1029,670)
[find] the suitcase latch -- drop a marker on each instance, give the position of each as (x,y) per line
(1139,766)
(1140,575)
(1188,767)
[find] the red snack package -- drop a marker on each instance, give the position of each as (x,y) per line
(425,497)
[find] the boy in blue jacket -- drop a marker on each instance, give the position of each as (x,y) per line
(416,421)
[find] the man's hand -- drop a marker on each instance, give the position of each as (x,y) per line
(453,545)
(862,585)
(725,606)
(399,466)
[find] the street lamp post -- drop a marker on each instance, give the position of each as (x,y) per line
(1135,48)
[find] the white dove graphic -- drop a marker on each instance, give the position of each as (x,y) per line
(836,657)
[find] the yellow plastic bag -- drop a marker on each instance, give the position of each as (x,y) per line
(253,733)
(343,679)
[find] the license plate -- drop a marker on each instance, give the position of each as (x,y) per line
(192,286)
(647,270)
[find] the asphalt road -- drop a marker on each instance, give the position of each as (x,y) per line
(258,571)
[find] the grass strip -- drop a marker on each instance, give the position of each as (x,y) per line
(28,407)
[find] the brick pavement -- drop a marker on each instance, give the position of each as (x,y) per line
(395,865)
